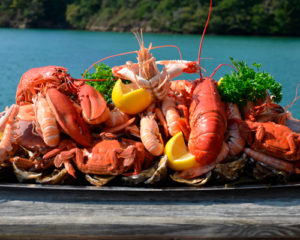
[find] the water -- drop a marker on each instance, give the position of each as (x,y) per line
(22,49)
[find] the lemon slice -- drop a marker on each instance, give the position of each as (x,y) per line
(179,157)
(219,82)
(129,99)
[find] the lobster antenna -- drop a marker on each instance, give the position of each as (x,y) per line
(170,46)
(295,99)
(203,34)
(139,38)
(120,54)
(223,64)
(204,71)
(102,59)
(140,41)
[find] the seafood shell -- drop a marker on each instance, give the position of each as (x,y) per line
(151,176)
(58,176)
(98,180)
(160,173)
(197,182)
(264,173)
(23,175)
(232,170)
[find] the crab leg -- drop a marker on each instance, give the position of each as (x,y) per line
(276,163)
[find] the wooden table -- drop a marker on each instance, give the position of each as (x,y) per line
(55,212)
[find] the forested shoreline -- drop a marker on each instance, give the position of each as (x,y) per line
(234,17)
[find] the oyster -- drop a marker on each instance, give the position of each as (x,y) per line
(230,171)
(98,180)
(22,174)
(160,172)
(153,175)
(197,182)
(58,176)
(264,173)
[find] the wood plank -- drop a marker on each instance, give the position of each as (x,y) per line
(150,213)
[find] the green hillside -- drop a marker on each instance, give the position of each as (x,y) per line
(246,17)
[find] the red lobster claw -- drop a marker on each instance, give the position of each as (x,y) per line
(94,109)
(67,117)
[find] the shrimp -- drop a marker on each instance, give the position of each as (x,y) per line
(174,122)
(46,121)
(150,135)
(116,117)
(235,141)
(182,89)
(223,154)
(7,140)
(149,76)
(26,112)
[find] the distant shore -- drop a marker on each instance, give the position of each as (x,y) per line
(229,17)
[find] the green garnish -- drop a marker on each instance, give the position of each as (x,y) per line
(246,84)
(102,71)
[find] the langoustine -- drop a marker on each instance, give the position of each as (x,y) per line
(6,125)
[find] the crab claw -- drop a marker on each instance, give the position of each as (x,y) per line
(67,117)
(94,107)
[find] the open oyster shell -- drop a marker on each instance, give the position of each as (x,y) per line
(230,171)
(161,172)
(151,176)
(23,175)
(98,180)
(264,173)
(58,176)
(197,182)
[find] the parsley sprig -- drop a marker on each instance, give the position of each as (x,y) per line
(102,71)
(248,84)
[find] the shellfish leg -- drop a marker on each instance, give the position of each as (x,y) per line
(276,163)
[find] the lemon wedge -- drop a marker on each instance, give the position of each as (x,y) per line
(129,99)
(219,82)
(179,157)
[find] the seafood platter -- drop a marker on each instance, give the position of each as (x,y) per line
(153,131)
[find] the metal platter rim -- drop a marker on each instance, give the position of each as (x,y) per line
(24,186)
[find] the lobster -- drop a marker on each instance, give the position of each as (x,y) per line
(208,122)
(55,85)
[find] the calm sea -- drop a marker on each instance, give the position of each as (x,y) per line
(21,50)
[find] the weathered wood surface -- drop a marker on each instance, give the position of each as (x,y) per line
(115,213)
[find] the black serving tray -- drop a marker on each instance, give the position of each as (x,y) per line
(41,187)
(140,194)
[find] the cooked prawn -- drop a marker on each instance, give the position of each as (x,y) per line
(174,121)
(26,112)
(116,117)
(235,141)
(150,135)
(6,144)
(46,121)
